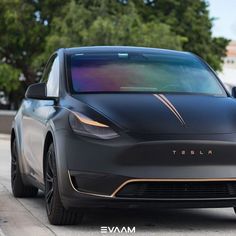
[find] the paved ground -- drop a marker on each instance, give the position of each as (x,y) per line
(27,216)
(6,118)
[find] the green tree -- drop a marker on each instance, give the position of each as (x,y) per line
(9,78)
(10,84)
(189,19)
(108,23)
(31,29)
(24,24)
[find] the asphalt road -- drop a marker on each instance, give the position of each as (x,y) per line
(27,216)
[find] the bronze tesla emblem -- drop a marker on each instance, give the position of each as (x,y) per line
(192,152)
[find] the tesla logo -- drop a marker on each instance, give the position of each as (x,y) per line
(192,152)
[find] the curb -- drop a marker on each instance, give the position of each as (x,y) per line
(5,137)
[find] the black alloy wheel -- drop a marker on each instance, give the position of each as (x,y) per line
(56,212)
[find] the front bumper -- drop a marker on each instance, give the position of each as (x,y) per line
(96,170)
(80,200)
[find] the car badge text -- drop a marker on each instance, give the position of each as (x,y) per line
(192,152)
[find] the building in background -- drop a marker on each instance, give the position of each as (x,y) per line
(228,74)
(230,60)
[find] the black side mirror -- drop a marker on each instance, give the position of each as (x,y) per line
(233,92)
(37,91)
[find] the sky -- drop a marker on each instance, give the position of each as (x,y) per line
(225,12)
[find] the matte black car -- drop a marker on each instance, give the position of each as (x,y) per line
(125,127)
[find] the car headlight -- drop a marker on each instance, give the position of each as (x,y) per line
(83,125)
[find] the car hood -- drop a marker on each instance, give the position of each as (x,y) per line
(166,114)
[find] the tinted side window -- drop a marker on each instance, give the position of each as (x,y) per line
(53,79)
(47,70)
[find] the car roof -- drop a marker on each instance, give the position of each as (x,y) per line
(124,49)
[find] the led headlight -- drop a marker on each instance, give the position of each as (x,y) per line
(83,125)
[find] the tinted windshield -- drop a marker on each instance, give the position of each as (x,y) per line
(136,72)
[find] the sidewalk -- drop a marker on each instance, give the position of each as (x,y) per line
(17,216)
(6,119)
(5,136)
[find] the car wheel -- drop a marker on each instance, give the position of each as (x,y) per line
(19,189)
(56,212)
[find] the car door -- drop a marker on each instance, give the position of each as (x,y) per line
(36,114)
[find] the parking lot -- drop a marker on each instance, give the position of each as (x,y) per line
(28,217)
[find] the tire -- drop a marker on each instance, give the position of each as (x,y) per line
(57,214)
(19,189)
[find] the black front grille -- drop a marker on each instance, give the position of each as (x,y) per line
(178,190)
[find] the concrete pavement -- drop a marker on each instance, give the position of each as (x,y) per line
(27,216)
(6,118)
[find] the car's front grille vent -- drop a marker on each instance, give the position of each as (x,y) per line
(178,190)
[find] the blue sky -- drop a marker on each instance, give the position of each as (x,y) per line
(225,12)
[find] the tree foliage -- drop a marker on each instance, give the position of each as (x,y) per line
(24,24)
(9,78)
(30,30)
(108,27)
(189,19)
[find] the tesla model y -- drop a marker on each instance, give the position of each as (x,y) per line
(125,127)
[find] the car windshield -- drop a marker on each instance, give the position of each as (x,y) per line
(141,72)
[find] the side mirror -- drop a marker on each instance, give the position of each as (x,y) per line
(37,91)
(233,92)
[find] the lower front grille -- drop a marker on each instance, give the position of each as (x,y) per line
(178,190)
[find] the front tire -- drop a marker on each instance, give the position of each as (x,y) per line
(19,189)
(57,214)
